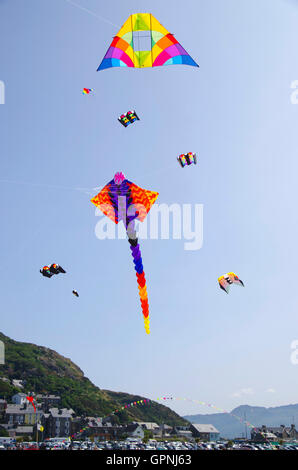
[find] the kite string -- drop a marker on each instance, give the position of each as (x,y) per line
(91,13)
(148,401)
(50,186)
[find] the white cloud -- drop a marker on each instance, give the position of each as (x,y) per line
(270,390)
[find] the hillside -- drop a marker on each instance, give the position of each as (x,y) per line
(230,426)
(46,371)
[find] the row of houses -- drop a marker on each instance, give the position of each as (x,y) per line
(274,433)
(137,429)
(20,418)
(44,401)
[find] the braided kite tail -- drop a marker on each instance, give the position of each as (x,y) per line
(137,259)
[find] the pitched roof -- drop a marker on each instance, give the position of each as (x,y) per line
(276,429)
(19,410)
(205,428)
(148,425)
(64,413)
(18,383)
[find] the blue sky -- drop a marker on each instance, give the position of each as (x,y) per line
(235,111)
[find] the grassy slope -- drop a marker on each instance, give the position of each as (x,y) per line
(46,371)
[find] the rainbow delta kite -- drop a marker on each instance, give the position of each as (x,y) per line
(144,42)
(86,91)
(123,200)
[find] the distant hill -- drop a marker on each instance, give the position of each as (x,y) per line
(230,426)
(46,371)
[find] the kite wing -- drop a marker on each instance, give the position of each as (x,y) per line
(143,200)
(56,269)
(29,398)
(124,120)
(187,159)
(224,284)
(144,42)
(132,116)
(235,279)
(129,118)
(226,280)
(45,271)
(107,200)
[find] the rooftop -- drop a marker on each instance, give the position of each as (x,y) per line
(205,428)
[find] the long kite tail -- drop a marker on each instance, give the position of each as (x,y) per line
(137,259)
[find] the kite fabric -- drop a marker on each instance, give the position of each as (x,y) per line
(187,159)
(49,271)
(56,269)
(116,200)
(86,91)
(227,280)
(144,42)
(45,271)
(29,398)
(129,118)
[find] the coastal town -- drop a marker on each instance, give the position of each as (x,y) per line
(43,423)
(20,419)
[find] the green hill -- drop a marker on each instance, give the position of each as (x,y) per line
(47,372)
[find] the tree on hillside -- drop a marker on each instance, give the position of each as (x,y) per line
(3,432)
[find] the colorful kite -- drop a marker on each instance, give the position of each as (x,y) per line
(187,159)
(29,398)
(144,42)
(75,292)
(87,91)
(45,271)
(226,280)
(56,269)
(48,271)
(129,118)
(122,200)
